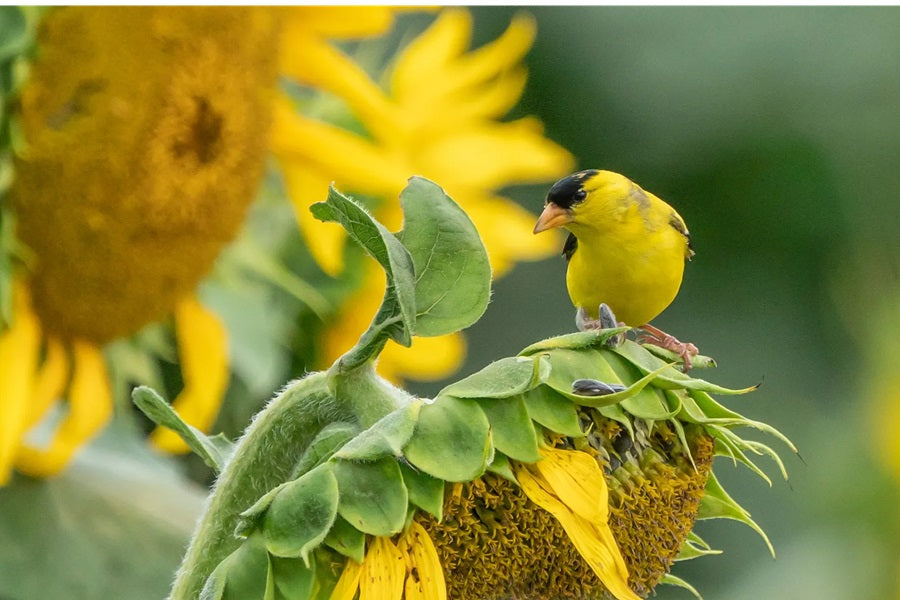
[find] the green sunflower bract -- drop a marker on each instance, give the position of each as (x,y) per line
(575,469)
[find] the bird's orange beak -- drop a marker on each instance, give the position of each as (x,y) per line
(553,216)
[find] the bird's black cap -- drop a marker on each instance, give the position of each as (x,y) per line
(568,191)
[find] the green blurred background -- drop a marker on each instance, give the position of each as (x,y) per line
(775,132)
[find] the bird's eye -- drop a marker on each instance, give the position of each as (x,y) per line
(580,195)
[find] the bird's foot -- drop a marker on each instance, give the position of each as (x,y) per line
(657,337)
(606,320)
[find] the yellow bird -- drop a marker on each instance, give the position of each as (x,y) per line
(626,250)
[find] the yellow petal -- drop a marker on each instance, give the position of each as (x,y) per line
(493,155)
(19,348)
(424,573)
(427,359)
(203,355)
(383,572)
(472,71)
(594,541)
(490,101)
(339,22)
(348,583)
(422,61)
(350,160)
(577,480)
(90,407)
(50,384)
(316,63)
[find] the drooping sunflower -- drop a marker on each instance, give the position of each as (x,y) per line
(440,118)
(576,469)
(146,133)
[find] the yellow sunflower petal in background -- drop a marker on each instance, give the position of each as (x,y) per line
(89,408)
(19,348)
(203,355)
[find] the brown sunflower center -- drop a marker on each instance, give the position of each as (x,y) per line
(495,544)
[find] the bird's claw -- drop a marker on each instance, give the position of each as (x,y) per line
(654,336)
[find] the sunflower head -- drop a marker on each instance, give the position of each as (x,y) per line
(146,132)
(575,469)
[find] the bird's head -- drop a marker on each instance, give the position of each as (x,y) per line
(574,199)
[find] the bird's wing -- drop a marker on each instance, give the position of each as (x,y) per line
(570,246)
(676,222)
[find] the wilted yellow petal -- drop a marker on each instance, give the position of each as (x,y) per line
(594,541)
(203,354)
(383,572)
(425,575)
(348,584)
(50,383)
(577,480)
(19,348)
(90,407)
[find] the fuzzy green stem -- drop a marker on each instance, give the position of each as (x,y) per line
(263,458)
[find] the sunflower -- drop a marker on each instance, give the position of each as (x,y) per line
(438,118)
(146,136)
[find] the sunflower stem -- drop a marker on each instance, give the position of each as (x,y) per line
(263,458)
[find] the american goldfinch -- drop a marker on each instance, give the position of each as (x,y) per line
(626,250)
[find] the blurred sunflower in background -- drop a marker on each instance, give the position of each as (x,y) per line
(141,137)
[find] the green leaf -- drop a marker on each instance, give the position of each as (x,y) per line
(346,539)
(451,440)
(669,378)
(553,411)
(373,497)
(301,514)
(669,579)
(512,430)
(649,403)
(573,341)
(695,547)
(501,466)
(384,247)
(291,578)
(328,441)
(386,437)
(249,519)
(425,491)
(114,524)
(242,574)
(717,504)
(214,450)
(500,379)
(568,365)
(453,274)
(14,33)
(716,411)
